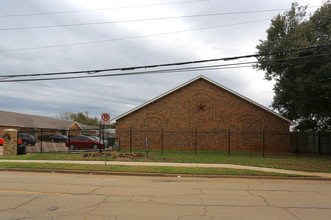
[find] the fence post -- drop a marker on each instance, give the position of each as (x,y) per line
(313,142)
(100,132)
(69,140)
(263,144)
(195,141)
(297,144)
(319,143)
(162,141)
(147,147)
(130,140)
(41,140)
(229,141)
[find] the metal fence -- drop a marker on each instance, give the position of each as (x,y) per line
(311,143)
(50,140)
(195,142)
(225,142)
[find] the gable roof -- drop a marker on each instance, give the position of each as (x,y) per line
(14,119)
(211,81)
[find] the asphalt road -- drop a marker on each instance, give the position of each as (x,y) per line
(72,196)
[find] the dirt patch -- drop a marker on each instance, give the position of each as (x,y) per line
(122,156)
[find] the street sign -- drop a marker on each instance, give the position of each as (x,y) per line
(105,118)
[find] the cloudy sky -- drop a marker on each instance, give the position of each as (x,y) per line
(52,36)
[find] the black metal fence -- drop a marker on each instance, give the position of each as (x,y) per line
(226,142)
(311,143)
(195,142)
(50,140)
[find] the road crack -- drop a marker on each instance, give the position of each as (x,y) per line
(268,204)
(23,204)
(291,213)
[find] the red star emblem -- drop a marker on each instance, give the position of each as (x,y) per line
(201,107)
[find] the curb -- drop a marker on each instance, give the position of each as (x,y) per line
(86,172)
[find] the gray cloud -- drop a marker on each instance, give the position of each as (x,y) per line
(119,94)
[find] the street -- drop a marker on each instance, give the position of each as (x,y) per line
(26,195)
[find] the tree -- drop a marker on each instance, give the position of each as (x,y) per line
(80,117)
(84,119)
(65,115)
(298,59)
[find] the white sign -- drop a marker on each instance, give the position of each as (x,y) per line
(105,118)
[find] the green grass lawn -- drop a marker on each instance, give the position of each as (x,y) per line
(320,164)
(141,169)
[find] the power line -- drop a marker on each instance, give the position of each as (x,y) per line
(179,63)
(120,69)
(130,38)
(100,9)
(212,67)
(139,20)
(173,64)
(205,68)
(190,69)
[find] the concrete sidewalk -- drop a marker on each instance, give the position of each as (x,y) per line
(220,166)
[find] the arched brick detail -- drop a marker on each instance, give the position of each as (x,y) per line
(250,133)
(202,120)
(195,115)
(151,123)
(250,123)
(152,120)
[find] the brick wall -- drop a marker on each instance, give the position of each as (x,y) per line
(209,109)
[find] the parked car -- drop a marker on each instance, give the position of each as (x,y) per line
(28,139)
(98,139)
(19,141)
(95,138)
(58,138)
(83,141)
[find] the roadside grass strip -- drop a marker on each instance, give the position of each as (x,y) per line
(54,167)
(308,163)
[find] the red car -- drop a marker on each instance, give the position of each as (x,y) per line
(19,141)
(83,141)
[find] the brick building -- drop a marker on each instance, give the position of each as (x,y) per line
(32,124)
(206,115)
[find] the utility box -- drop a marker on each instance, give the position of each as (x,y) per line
(10,142)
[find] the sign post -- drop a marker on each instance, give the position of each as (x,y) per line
(105,121)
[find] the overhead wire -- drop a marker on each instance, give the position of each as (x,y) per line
(140,20)
(188,69)
(174,64)
(130,38)
(99,9)
(110,70)
(203,68)
(90,72)
(133,37)
(119,74)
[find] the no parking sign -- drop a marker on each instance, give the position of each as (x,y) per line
(105,118)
